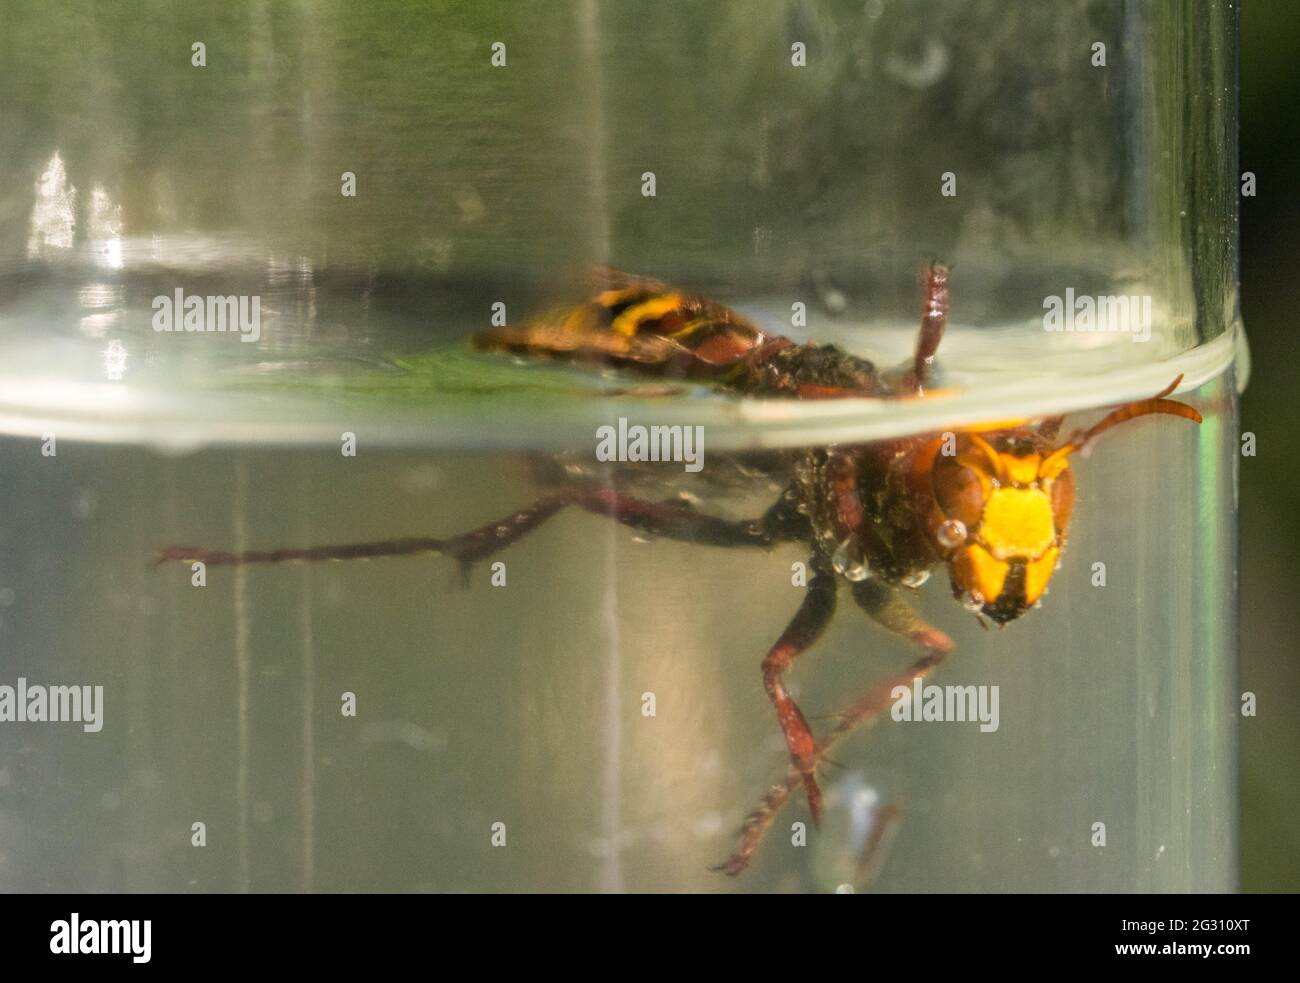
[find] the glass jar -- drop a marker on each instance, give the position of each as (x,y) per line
(383,181)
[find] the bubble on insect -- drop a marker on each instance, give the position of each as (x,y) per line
(974,601)
(916,579)
(951,534)
(847,561)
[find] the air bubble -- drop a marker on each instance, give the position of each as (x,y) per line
(848,562)
(952,534)
(916,579)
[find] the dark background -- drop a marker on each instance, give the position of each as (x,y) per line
(1270,481)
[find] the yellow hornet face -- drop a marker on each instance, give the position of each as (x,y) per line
(1006,505)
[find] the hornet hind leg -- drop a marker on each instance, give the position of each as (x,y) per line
(670,520)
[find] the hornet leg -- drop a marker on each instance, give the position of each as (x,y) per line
(887,608)
(804,629)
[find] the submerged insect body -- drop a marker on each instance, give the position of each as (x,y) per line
(991,504)
(993,508)
(655,329)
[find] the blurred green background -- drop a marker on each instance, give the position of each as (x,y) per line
(1270,493)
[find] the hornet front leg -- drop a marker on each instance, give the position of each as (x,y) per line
(804,629)
(888,608)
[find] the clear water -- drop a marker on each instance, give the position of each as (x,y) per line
(130,172)
(523,704)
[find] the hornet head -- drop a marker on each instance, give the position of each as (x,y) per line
(1004,499)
